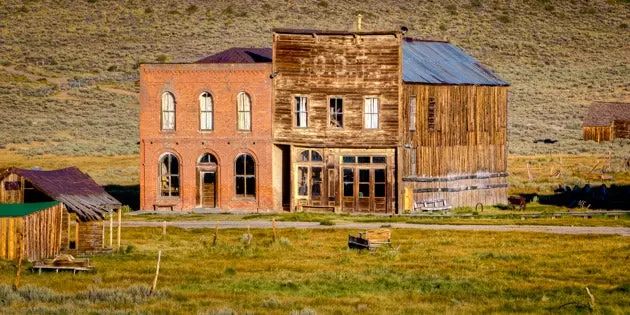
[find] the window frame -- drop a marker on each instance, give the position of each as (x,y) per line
(240,112)
(169,175)
(343,123)
(245,176)
(432,108)
(172,112)
(296,112)
(377,113)
(202,112)
(413,112)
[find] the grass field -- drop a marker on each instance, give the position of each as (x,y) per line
(312,271)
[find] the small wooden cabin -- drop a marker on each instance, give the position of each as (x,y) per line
(607,121)
(34,228)
(84,203)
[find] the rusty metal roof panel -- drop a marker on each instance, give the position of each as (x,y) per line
(434,62)
(239,55)
(602,114)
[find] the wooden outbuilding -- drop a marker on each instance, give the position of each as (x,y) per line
(607,121)
(84,204)
(33,228)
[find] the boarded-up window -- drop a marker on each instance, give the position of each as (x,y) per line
(412,113)
(205,109)
(168,111)
(336,112)
(371,113)
(431,114)
(412,158)
(301,112)
(244,112)
(169,175)
(245,176)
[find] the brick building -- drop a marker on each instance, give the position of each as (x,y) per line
(325,120)
(205,131)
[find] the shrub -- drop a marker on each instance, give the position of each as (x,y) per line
(322,4)
(271,303)
(37,294)
(192,9)
(503,18)
(476,3)
(452,9)
(229,271)
(161,58)
(285,242)
(7,295)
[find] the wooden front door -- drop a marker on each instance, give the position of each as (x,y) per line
(208,189)
(364,189)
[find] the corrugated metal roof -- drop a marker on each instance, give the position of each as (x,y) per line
(435,62)
(240,55)
(601,114)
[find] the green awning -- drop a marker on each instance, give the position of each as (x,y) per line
(24,209)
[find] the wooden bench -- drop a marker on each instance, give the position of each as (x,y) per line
(165,206)
(431,205)
(370,239)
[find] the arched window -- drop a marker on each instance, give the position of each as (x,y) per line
(205,109)
(168,111)
(245,176)
(207,158)
(244,112)
(169,175)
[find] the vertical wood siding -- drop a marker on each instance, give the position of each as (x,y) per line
(598,134)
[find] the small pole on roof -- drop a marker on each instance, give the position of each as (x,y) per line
(359,22)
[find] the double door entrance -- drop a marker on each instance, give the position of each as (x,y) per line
(364,189)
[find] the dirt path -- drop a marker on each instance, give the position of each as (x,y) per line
(623,231)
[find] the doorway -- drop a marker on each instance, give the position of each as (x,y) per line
(208,189)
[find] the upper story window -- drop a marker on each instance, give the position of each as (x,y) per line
(168,111)
(245,176)
(207,158)
(412,113)
(169,175)
(431,114)
(335,108)
(244,112)
(301,111)
(371,113)
(206,108)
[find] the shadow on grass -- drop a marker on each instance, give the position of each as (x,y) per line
(127,195)
(595,197)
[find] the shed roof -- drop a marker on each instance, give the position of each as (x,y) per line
(24,209)
(437,62)
(77,190)
(239,55)
(330,32)
(601,114)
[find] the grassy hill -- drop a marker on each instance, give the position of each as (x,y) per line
(67,68)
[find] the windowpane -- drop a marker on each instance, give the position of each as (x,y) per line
(379,159)
(364,159)
(348,182)
(168,111)
(240,185)
(364,190)
(244,112)
(250,185)
(371,113)
(169,175)
(379,190)
(336,112)
(349,159)
(302,181)
(364,176)
(316,177)
(249,165)
(379,176)
(240,165)
(316,157)
(206,107)
(301,112)
(303,156)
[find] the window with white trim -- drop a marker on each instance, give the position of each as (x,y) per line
(168,111)
(244,112)
(301,112)
(371,113)
(205,112)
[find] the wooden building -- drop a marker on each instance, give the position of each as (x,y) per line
(454,119)
(606,121)
(85,205)
(33,228)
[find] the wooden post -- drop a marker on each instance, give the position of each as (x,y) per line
(76,235)
(69,221)
(157,272)
(529,173)
(216,234)
(111,230)
(249,236)
(103,245)
(163,227)
(119,229)
(273,225)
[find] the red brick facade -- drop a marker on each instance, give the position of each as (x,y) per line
(186,82)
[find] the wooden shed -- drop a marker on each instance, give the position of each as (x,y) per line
(33,228)
(607,121)
(85,204)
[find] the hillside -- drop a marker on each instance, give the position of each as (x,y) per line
(68,68)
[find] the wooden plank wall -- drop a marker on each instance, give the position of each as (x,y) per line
(598,134)
(90,236)
(621,129)
(470,133)
(12,196)
(348,66)
(39,231)
(471,191)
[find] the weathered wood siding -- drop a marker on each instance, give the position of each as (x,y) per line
(621,129)
(90,237)
(12,195)
(598,134)
(38,234)
(348,66)
(468,137)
